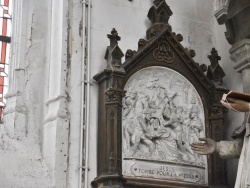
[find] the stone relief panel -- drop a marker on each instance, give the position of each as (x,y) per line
(162,116)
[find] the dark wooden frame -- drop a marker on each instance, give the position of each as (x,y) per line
(111,91)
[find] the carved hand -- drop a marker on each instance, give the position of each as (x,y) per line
(205,148)
(236,105)
(149,136)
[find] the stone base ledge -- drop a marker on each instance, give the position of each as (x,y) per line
(28,173)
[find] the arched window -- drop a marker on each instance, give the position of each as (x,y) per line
(5,39)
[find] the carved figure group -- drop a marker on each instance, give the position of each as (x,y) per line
(156,126)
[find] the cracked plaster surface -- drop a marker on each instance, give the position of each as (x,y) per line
(21,163)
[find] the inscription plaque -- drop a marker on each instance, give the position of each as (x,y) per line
(162,116)
(165,171)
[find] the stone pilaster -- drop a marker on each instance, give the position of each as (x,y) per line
(240,54)
(15,116)
(220,13)
(57,117)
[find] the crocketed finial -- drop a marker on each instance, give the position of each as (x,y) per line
(215,72)
(114,38)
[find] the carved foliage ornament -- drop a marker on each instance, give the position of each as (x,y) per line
(216,111)
(163,54)
(114,95)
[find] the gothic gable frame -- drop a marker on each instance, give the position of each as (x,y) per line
(161,49)
(182,60)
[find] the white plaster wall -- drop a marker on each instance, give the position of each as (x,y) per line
(21,160)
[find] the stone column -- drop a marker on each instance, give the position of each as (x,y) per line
(56,122)
(235,13)
(15,119)
(220,13)
(237,34)
(240,54)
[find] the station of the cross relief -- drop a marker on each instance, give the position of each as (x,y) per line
(162,116)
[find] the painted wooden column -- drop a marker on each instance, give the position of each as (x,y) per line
(216,118)
(110,82)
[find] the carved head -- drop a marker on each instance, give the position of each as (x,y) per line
(166,112)
(148,113)
(134,95)
(194,112)
(154,122)
(141,42)
(179,110)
